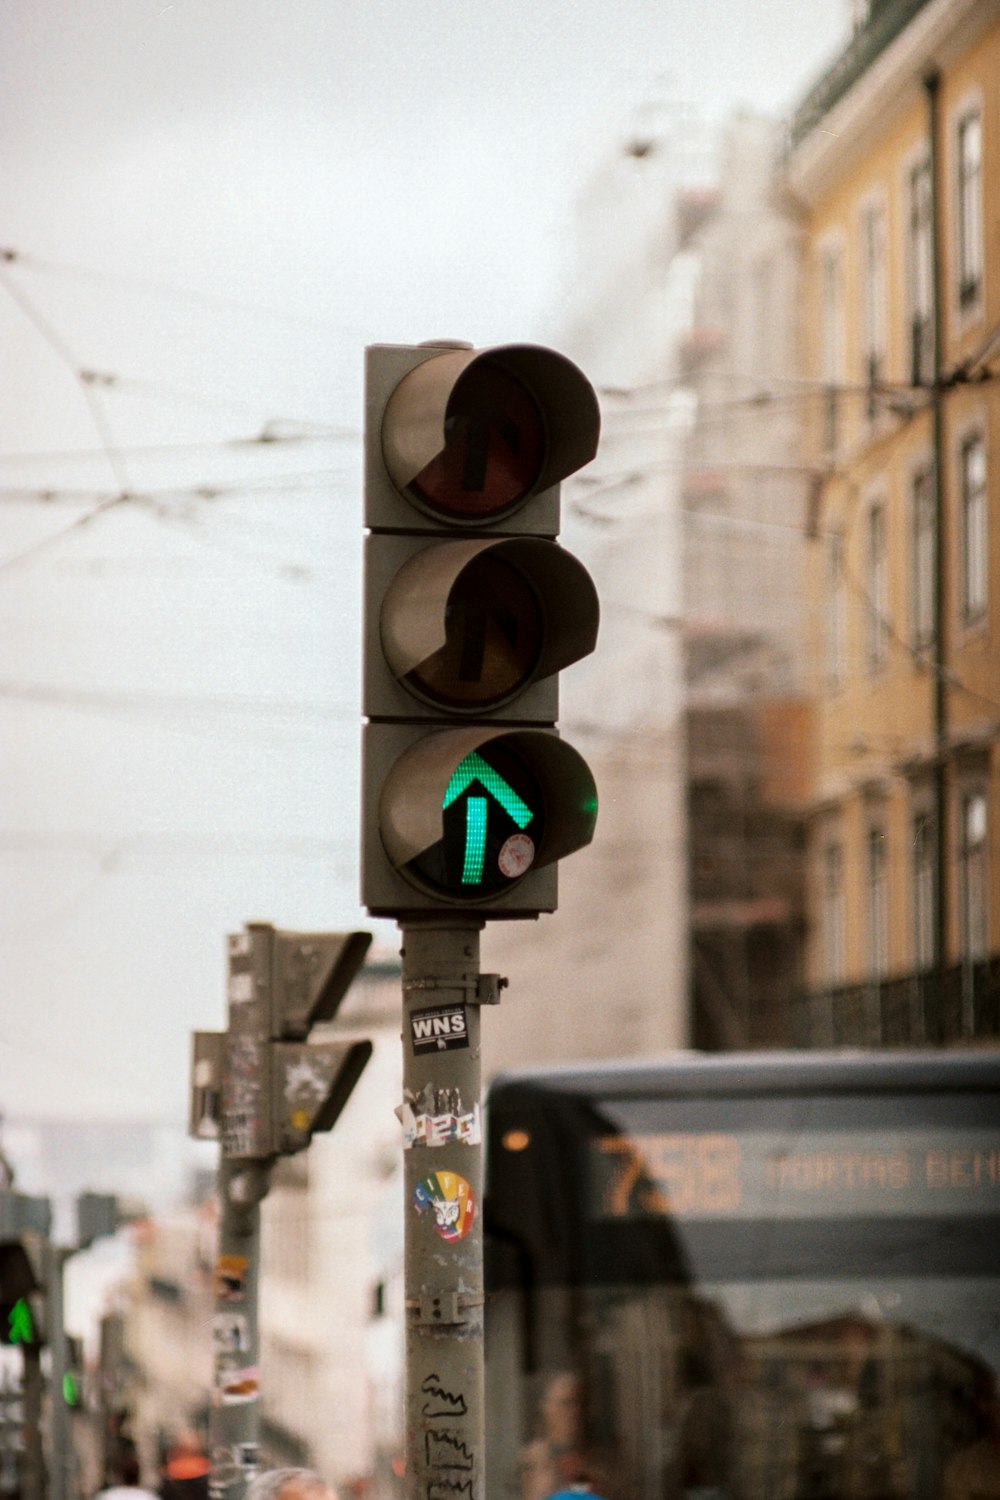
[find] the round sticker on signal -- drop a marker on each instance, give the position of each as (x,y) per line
(516,855)
(449,1198)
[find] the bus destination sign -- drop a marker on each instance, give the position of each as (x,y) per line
(770,1175)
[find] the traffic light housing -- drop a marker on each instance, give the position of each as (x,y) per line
(18,1323)
(97,1217)
(471,610)
(261,1086)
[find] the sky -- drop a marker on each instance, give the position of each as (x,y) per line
(208,209)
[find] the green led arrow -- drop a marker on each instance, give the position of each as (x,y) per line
(475,840)
(21,1324)
(474,768)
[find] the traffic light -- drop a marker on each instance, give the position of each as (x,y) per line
(471,610)
(97,1217)
(17,1281)
(73,1375)
(261,1085)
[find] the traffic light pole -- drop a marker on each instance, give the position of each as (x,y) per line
(33,1487)
(261,1089)
(234,1420)
(60,1417)
(443,1177)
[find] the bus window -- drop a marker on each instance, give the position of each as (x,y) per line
(756,1281)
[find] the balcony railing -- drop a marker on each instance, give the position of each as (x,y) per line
(912,1010)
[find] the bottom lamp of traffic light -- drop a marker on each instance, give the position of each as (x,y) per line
(467,815)
(19,1323)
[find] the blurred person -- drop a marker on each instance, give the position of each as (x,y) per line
(559,1459)
(129,1486)
(290,1484)
(185,1473)
(973,1473)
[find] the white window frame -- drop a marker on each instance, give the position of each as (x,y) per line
(970,257)
(923,528)
(974,522)
(877,898)
(919,280)
(876,564)
(831,258)
(923,886)
(834,911)
(973,882)
(836,612)
(873,238)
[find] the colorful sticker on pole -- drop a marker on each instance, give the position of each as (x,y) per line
(231,1278)
(236,1383)
(231,1333)
(449,1197)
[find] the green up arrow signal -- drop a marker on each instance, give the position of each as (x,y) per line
(474,768)
(21,1324)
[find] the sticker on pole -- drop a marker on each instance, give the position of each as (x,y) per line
(439,1028)
(236,1383)
(449,1198)
(231,1278)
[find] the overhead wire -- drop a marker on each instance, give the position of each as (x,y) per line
(921,656)
(65,354)
(12,256)
(262,440)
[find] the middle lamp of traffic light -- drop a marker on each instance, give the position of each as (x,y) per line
(468,626)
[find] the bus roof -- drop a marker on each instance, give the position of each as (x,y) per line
(768,1072)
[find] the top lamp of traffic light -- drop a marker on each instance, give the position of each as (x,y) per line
(468,437)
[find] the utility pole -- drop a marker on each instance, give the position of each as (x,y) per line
(443,1186)
(942,819)
(60,1418)
(263,1090)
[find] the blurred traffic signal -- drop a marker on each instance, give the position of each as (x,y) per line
(17,1281)
(471,610)
(261,1086)
(73,1375)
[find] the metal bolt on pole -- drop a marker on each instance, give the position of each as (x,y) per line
(443,1176)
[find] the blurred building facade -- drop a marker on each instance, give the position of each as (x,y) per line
(744,498)
(895,159)
(607,973)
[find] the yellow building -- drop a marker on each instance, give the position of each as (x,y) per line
(894,160)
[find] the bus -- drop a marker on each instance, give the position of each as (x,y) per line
(745,1277)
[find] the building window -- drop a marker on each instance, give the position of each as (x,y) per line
(973,499)
(970,209)
(923,875)
(878,902)
(831,340)
(973,877)
(923,535)
(877,591)
(833,913)
(836,612)
(920,275)
(873,298)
